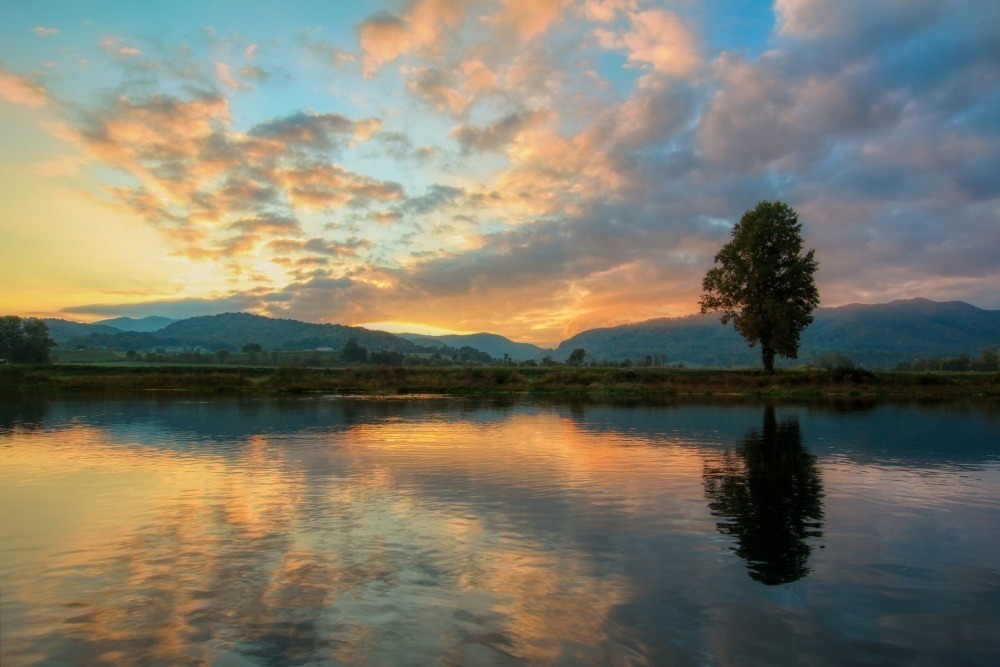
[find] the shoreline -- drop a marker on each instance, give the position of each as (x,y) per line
(60,379)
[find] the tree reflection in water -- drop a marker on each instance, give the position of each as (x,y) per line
(769,493)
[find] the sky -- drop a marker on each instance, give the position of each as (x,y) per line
(532,168)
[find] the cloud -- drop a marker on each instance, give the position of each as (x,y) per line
(42,31)
(385,217)
(323,186)
(214,192)
(454,90)
(400,147)
(498,135)
(762,114)
(657,40)
(19,90)
(315,131)
(320,246)
(175,308)
(116,46)
(435,88)
(277,224)
(225,75)
(529,19)
(327,53)
(606,11)
(384,37)
(807,17)
(436,197)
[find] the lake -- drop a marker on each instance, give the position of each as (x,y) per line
(421,530)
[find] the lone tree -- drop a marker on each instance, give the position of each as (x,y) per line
(577,357)
(763,284)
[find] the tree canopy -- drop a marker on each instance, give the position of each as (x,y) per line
(762,283)
(24,341)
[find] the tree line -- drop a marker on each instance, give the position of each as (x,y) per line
(24,341)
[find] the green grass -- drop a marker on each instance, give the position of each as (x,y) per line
(124,377)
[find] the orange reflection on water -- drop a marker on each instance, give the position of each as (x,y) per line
(395,538)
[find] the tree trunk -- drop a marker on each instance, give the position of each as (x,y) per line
(767,356)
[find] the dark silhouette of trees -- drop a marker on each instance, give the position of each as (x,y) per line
(355,352)
(576,357)
(387,358)
(24,341)
(762,284)
(770,496)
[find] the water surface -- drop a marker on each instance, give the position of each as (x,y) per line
(442,531)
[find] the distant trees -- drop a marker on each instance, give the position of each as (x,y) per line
(355,352)
(988,361)
(831,360)
(387,358)
(985,363)
(576,357)
(24,341)
(253,349)
(762,284)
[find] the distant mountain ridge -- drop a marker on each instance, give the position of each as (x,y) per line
(877,336)
(230,331)
(63,331)
(151,323)
(494,345)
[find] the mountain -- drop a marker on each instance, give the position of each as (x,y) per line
(151,323)
(63,331)
(238,329)
(232,331)
(876,336)
(492,344)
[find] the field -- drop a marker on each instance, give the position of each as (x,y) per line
(126,377)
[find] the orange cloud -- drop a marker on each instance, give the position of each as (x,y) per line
(606,11)
(19,90)
(225,76)
(324,186)
(657,40)
(452,90)
(529,18)
(384,37)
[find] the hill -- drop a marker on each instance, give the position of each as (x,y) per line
(876,336)
(494,345)
(152,323)
(63,331)
(231,331)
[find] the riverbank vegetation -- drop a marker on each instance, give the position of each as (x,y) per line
(841,381)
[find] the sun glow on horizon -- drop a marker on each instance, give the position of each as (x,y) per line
(394,327)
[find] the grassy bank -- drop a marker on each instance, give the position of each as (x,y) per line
(490,380)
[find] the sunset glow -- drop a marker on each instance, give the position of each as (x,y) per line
(531,169)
